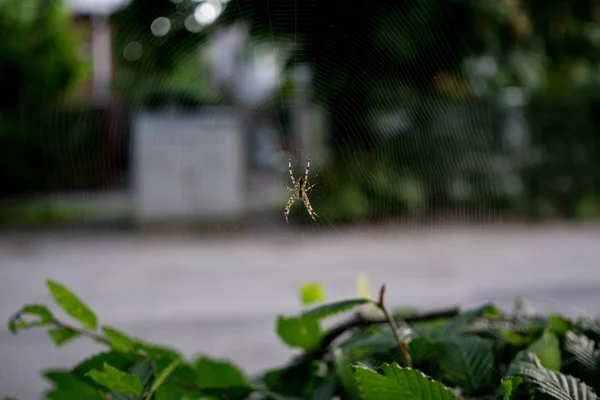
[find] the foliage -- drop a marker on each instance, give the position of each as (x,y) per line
(39,66)
(56,148)
(566,168)
(483,353)
(39,59)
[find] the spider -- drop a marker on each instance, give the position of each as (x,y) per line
(299,192)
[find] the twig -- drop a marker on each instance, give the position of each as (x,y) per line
(403,344)
(360,320)
(83,332)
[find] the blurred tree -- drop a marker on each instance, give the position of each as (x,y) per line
(419,43)
(38,55)
(39,64)
(370,58)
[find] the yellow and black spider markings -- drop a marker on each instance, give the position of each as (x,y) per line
(300,192)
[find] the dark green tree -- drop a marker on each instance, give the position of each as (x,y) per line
(39,64)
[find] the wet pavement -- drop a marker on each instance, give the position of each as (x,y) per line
(221,296)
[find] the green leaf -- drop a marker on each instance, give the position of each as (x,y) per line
(515,338)
(509,385)
(312,292)
(72,305)
(299,332)
(61,336)
(583,348)
(170,392)
(295,379)
(117,359)
(41,317)
(146,372)
(462,320)
(468,362)
(547,350)
(220,378)
(344,374)
(326,390)
(558,324)
(423,348)
(331,309)
(164,374)
(158,352)
(399,383)
(552,383)
(68,387)
(118,339)
(113,379)
(217,373)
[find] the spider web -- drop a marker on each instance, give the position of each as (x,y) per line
(449,167)
(382,154)
(410,155)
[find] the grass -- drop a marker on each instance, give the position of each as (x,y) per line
(62,212)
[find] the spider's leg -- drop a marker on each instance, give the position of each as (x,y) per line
(291,190)
(288,206)
(306,175)
(310,187)
(309,208)
(291,173)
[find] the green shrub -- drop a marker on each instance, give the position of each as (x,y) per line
(564,130)
(481,353)
(50,150)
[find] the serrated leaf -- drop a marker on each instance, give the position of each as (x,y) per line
(299,332)
(41,317)
(547,350)
(591,327)
(72,305)
(583,348)
(119,381)
(399,383)
(509,385)
(118,340)
(552,383)
(331,309)
(61,336)
(312,292)
(468,362)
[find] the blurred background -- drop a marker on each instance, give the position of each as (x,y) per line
(144,149)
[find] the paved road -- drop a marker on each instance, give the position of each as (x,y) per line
(221,296)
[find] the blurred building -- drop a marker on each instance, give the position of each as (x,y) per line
(92,18)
